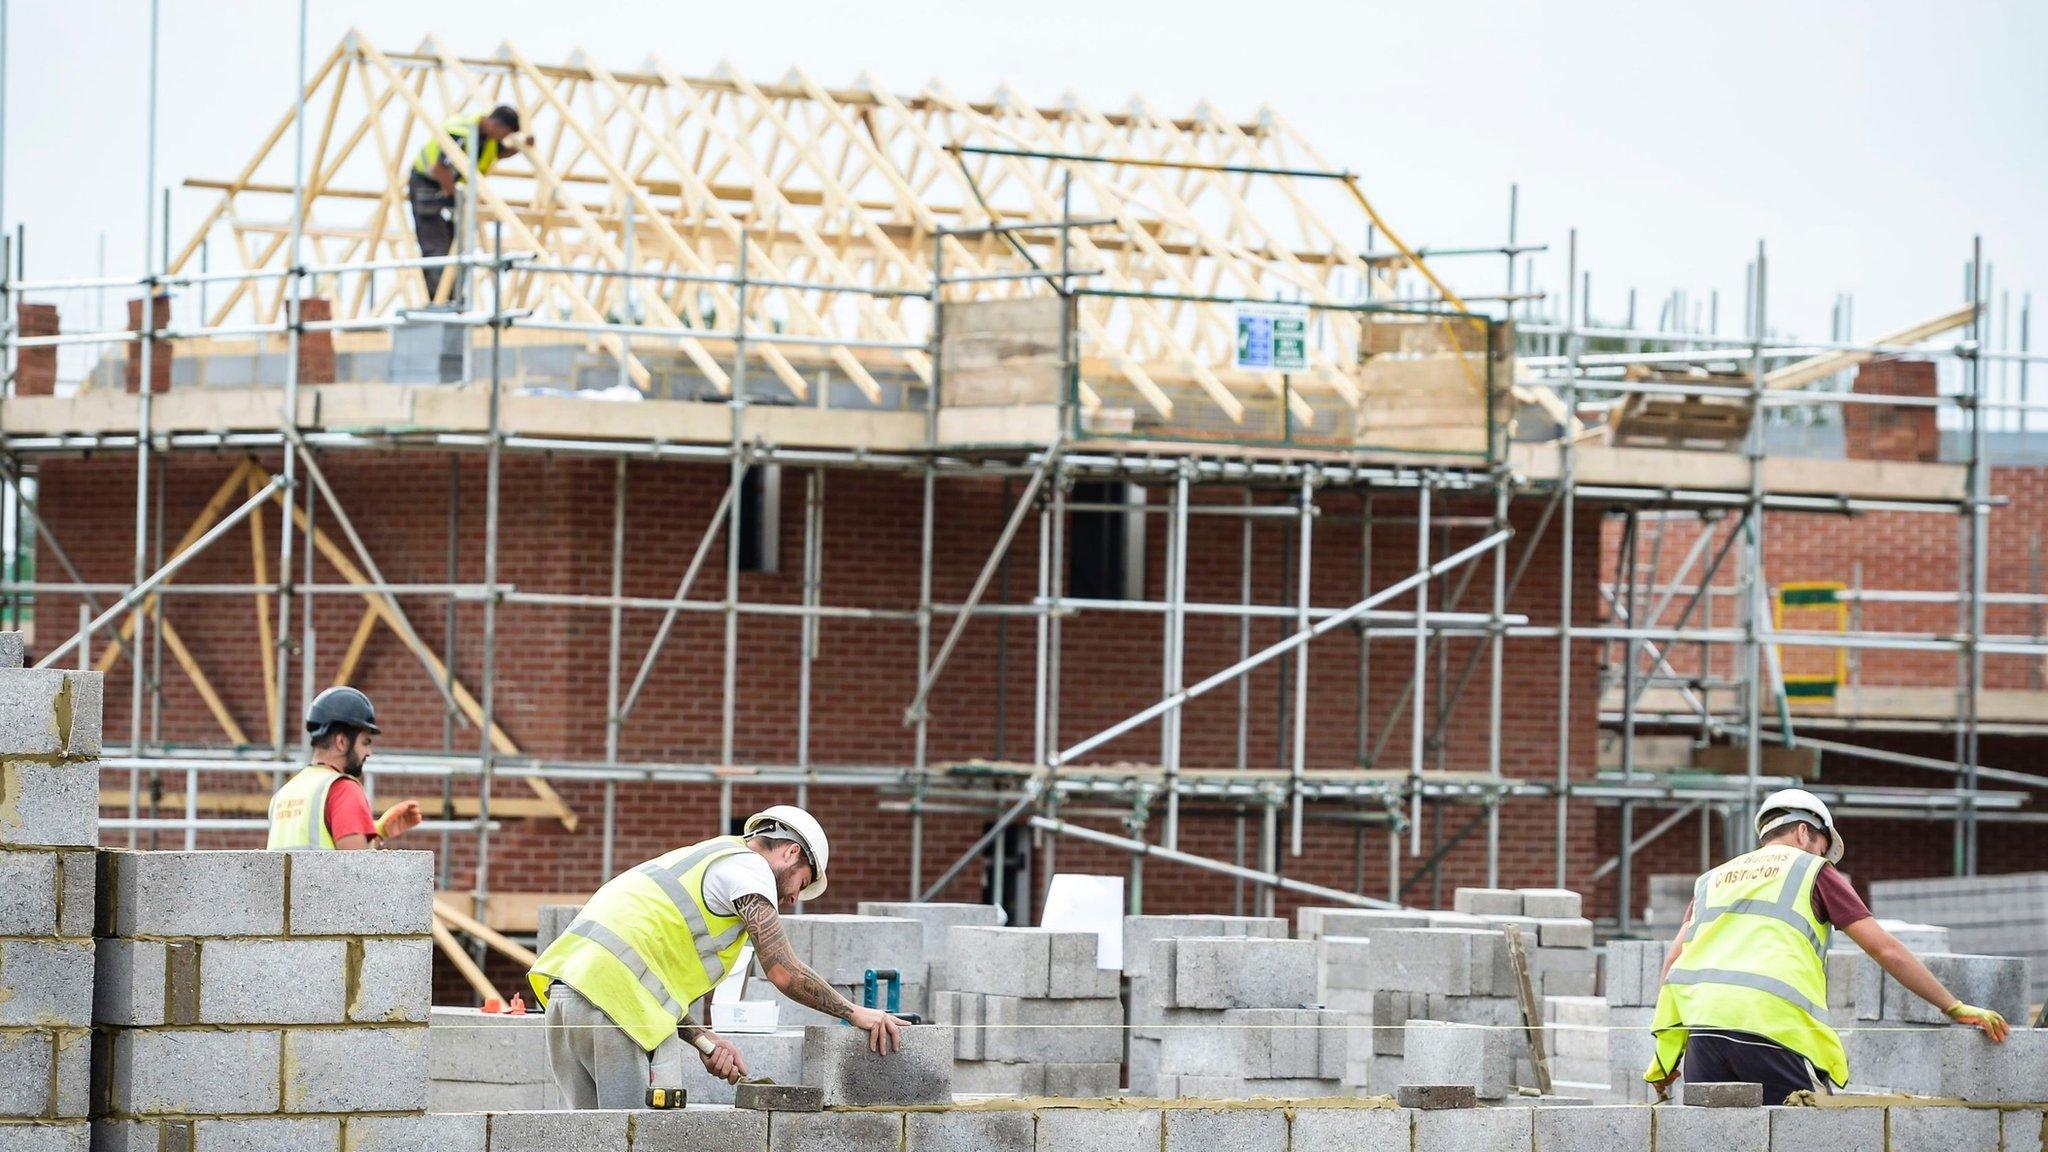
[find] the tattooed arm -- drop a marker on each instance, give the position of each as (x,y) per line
(791,976)
(795,979)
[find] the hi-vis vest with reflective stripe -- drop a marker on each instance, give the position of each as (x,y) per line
(298,813)
(461,129)
(645,947)
(1754,960)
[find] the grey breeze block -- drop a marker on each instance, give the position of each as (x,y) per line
(837,1060)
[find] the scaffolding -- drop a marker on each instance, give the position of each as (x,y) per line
(906,236)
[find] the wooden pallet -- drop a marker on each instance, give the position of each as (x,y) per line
(1699,423)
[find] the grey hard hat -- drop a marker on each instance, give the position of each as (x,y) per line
(340,707)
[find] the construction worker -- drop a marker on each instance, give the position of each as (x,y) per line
(432,184)
(619,982)
(324,805)
(1745,989)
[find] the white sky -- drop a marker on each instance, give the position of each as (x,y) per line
(1864,143)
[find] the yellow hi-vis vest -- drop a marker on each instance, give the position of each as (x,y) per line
(645,947)
(298,813)
(1754,960)
(461,129)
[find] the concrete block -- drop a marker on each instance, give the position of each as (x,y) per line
(195,893)
(1143,1060)
(981,1078)
(1977,1070)
(556,1131)
(1826,1129)
(779,1056)
(1017,1030)
(1487,901)
(1606,1128)
(273,981)
(362,893)
(13,650)
(429,1133)
(1345,962)
(968,1132)
(266,1134)
(49,712)
(936,919)
(51,804)
(1550,903)
(193,1073)
(1436,960)
(1141,931)
(1489,1011)
(754,1097)
(836,1059)
(128,981)
(1995,982)
(28,892)
(1000,961)
(1634,972)
(1239,1088)
(1942,1129)
(1724,1095)
(1207,1129)
(842,948)
(1441,1053)
(46,983)
(1220,972)
(1351,1130)
(466,1096)
(355,1070)
(1429,1097)
(1075,971)
(28,1075)
(835,1131)
(391,981)
(1316,923)
(1474,1130)
(1097,1130)
(2022,1131)
(1083,1080)
(74,1136)
(1571,932)
(698,1130)
(1897,1058)
(464,1044)
(77,883)
(1712,1129)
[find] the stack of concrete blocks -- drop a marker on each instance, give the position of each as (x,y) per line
(938,920)
(487,1062)
(49,822)
(1459,971)
(1556,939)
(1632,974)
(1144,1011)
(843,949)
(1897,1041)
(1985,915)
(1238,1018)
(255,999)
(1575,1039)
(1032,1013)
(1670,893)
(1347,980)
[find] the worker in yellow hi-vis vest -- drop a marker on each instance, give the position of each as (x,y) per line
(324,806)
(1745,989)
(431,185)
(620,980)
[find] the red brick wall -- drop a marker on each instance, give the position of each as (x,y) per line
(556,523)
(1893,432)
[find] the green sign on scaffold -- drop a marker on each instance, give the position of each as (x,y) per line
(1271,337)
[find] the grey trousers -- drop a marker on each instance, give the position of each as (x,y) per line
(594,1062)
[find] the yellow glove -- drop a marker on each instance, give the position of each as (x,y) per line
(1991,1023)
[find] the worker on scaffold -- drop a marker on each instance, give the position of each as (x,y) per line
(324,805)
(431,187)
(1745,991)
(619,982)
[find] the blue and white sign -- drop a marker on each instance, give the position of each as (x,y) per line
(1271,337)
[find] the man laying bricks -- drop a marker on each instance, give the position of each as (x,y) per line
(619,982)
(1745,991)
(324,805)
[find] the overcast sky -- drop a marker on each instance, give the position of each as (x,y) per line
(1863,142)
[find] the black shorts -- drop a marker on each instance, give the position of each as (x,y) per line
(1720,1056)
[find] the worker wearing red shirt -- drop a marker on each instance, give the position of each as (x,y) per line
(324,805)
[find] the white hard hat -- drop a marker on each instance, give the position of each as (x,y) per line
(1797,804)
(789,822)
